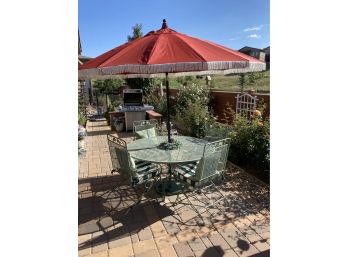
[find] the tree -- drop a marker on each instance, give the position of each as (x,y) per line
(184,80)
(249,80)
(254,77)
(137,33)
(136,82)
(108,86)
(241,82)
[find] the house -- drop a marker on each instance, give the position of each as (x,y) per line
(261,54)
(254,52)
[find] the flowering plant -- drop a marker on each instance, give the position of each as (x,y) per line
(192,111)
(170,145)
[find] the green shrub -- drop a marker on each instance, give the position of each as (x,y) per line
(82,119)
(250,143)
(110,108)
(192,93)
(250,140)
(185,80)
(193,120)
(192,112)
(153,97)
(107,86)
(161,106)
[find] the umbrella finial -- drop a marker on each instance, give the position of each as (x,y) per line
(164,24)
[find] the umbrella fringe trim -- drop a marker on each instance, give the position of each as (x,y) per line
(148,70)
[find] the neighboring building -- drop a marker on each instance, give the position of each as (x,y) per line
(261,54)
(254,52)
(267,51)
(82,59)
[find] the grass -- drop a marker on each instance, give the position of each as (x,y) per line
(230,83)
(227,83)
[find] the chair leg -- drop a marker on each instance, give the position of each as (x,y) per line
(185,189)
(193,193)
(163,191)
(176,199)
(197,211)
(148,184)
(222,196)
(140,197)
(147,187)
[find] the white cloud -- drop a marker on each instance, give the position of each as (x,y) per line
(254,36)
(232,39)
(253,28)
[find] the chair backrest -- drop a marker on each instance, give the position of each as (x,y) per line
(216,131)
(120,158)
(145,124)
(214,159)
(145,128)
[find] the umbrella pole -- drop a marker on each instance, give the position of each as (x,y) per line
(168,116)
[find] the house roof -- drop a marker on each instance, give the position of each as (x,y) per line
(249,48)
(83,59)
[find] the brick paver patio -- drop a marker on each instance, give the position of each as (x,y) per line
(153,229)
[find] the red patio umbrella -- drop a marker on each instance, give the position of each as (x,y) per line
(164,52)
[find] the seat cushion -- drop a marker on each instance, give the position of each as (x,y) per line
(144,171)
(187,173)
(132,163)
(146,133)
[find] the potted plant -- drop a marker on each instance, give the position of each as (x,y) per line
(82,120)
(119,123)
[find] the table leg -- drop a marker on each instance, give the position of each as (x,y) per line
(168,185)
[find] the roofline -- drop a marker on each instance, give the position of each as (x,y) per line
(85,57)
(251,48)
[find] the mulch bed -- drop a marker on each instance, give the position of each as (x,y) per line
(260,174)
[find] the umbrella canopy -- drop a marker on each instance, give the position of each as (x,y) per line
(167,51)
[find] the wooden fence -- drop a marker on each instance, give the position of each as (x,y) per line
(221,98)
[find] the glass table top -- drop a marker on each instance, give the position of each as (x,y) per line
(145,149)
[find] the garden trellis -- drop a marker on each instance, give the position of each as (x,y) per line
(246,105)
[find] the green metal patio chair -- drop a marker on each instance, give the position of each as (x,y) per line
(163,129)
(145,128)
(201,177)
(216,131)
(136,173)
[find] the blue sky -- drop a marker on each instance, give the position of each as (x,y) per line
(105,24)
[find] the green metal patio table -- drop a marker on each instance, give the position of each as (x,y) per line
(146,149)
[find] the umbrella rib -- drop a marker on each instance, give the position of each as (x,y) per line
(203,59)
(153,49)
(239,54)
(120,53)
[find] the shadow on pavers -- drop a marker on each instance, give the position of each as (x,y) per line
(122,223)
